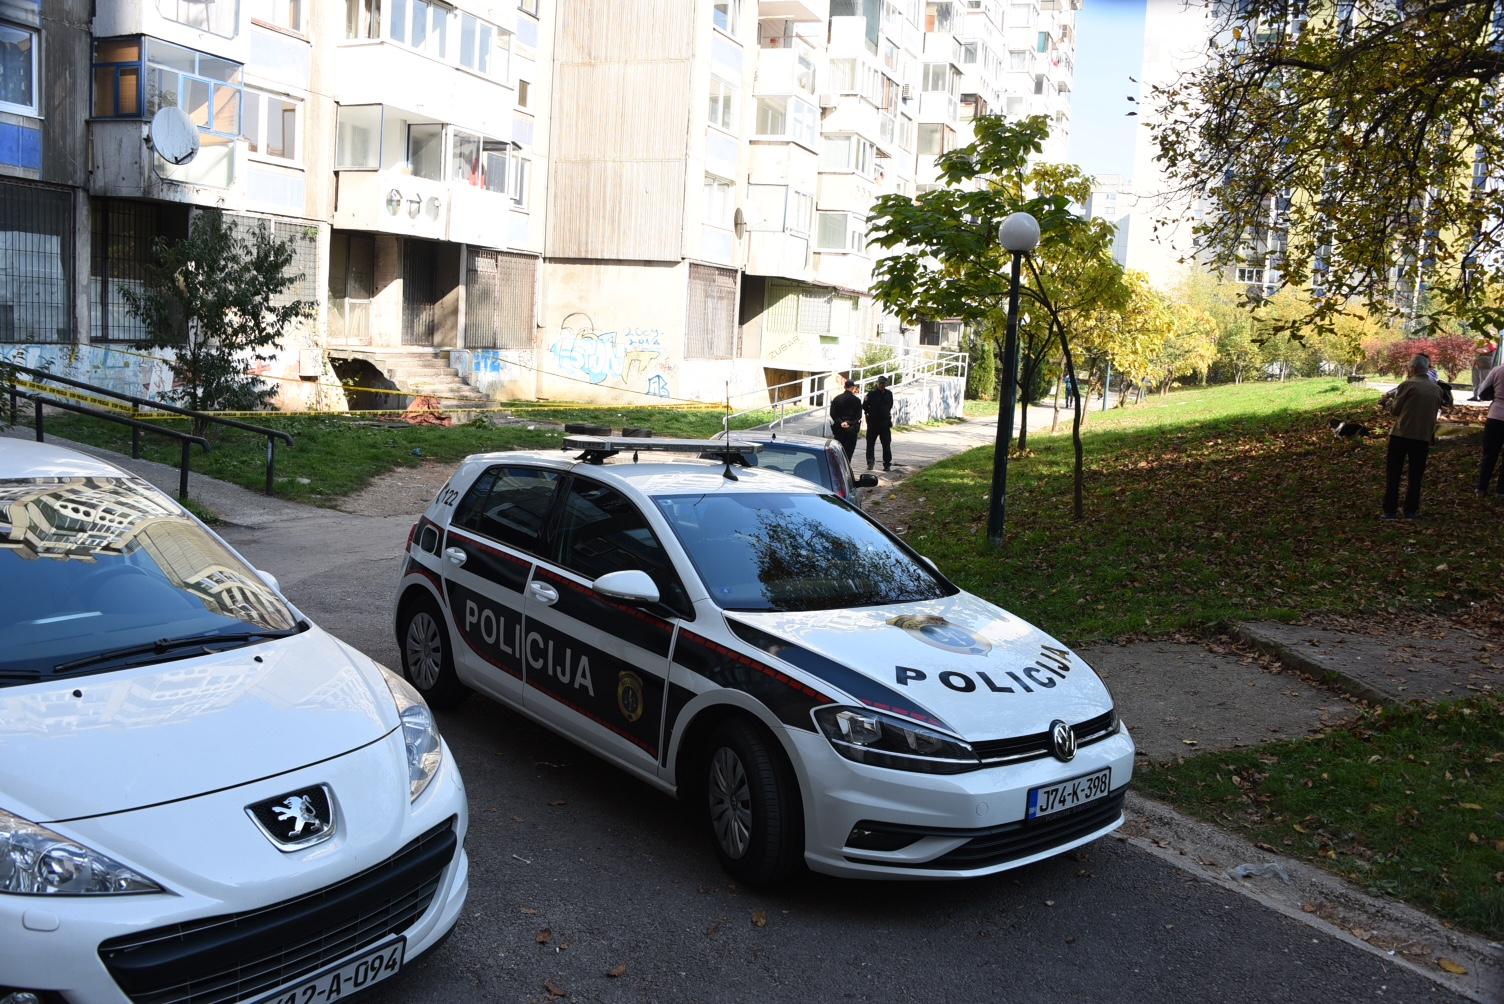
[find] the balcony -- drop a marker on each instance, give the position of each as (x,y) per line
(372,71)
(794,10)
(938,106)
(779,253)
(123,166)
(784,71)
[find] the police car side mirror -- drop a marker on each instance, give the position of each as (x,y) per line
(866,481)
(631,586)
(270,580)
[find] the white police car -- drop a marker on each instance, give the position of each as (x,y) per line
(203,797)
(749,641)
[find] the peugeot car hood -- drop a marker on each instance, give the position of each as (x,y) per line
(122,740)
(959,663)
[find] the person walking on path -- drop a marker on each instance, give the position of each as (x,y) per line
(1493,430)
(879,410)
(846,418)
(1414,405)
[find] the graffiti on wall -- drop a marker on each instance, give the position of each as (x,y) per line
(632,358)
(123,372)
(488,369)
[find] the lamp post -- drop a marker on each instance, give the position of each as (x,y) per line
(1019,234)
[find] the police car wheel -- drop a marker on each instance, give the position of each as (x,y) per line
(752,805)
(426,660)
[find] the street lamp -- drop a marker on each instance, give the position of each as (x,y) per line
(1019,234)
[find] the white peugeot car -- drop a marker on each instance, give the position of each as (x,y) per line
(747,640)
(203,797)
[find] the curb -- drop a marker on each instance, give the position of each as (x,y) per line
(1292,658)
(1389,929)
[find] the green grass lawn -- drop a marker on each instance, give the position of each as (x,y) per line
(1406,803)
(337,456)
(1206,506)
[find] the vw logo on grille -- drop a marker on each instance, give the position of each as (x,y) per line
(1062,740)
(297,819)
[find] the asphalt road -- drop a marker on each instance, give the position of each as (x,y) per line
(620,875)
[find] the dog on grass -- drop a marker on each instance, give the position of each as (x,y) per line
(1351,433)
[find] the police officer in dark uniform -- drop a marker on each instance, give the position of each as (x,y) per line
(879,410)
(846,418)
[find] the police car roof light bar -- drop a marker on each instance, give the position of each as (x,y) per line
(595,449)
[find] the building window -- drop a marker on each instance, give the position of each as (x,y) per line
(499,292)
(279,13)
(271,125)
(218,17)
(122,232)
(117,78)
(18,70)
(206,87)
(528,7)
(523,87)
(425,151)
(722,104)
(302,238)
(935,139)
(1042,43)
(841,232)
(36,244)
(710,329)
(357,143)
(942,78)
(484,47)
(422,25)
(968,53)
(517,185)
(352,286)
(1250,275)
(720,202)
(848,153)
(1039,84)
(788,118)
(727,14)
(362,18)
(801,213)
(939,16)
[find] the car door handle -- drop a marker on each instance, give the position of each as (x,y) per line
(455,555)
(544,593)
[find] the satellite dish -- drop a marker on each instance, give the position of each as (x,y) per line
(173,135)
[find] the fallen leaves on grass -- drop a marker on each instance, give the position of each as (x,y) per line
(553,990)
(759,918)
(617,971)
(544,936)
(1455,968)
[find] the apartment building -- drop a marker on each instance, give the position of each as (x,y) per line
(600,200)
(1112,200)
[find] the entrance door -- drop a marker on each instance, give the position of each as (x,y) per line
(420,292)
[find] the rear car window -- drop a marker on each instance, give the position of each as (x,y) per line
(510,505)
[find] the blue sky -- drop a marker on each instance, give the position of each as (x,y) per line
(1109,50)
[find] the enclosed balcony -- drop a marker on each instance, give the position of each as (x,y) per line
(794,10)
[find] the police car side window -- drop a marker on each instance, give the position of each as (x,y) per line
(510,505)
(601,531)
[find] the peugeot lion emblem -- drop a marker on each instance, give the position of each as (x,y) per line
(1062,740)
(296,819)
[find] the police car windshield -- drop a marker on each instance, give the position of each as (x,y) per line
(774,551)
(91,567)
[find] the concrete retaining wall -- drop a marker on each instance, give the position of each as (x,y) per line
(928,400)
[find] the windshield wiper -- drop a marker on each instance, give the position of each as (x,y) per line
(164,645)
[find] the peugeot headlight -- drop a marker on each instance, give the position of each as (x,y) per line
(420,735)
(35,861)
(869,737)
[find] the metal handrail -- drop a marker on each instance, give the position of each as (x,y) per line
(137,427)
(272,435)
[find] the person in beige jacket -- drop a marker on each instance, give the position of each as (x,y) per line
(1414,405)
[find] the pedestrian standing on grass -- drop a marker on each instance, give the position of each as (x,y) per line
(1493,430)
(879,410)
(846,419)
(1414,405)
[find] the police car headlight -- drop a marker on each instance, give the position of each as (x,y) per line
(420,734)
(866,736)
(36,861)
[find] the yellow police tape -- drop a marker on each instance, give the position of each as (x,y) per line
(71,395)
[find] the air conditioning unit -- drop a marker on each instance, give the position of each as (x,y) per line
(827,101)
(907,93)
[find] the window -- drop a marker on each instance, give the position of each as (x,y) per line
(720,202)
(425,151)
(206,87)
(722,104)
(788,118)
(218,17)
(523,95)
(968,53)
(509,505)
(279,13)
(848,153)
(935,139)
(121,236)
(726,14)
(499,290)
(1039,84)
(841,232)
(36,244)
(906,134)
(801,211)
(117,78)
(421,24)
(938,17)
(1250,275)
(357,143)
(601,531)
(941,77)
(271,125)
(528,7)
(352,285)
(710,328)
(18,70)
(484,47)
(464,157)
(518,183)
(362,18)
(301,238)
(1018,60)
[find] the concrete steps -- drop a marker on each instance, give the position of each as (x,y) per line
(423,372)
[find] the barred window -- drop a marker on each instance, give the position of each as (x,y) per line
(121,246)
(499,300)
(36,243)
(711,330)
(304,239)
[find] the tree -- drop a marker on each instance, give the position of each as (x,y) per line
(1360,130)
(1237,355)
(1190,346)
(217,300)
(1130,336)
(981,370)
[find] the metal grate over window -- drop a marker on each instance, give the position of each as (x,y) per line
(304,238)
(123,232)
(36,245)
(499,300)
(711,330)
